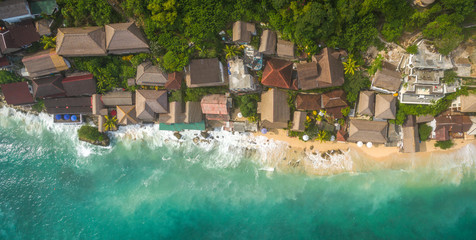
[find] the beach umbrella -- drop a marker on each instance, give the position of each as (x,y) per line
(305,138)
(58,117)
(369,144)
(360,144)
(264,130)
(333,138)
(74,118)
(240,115)
(66,117)
(113,113)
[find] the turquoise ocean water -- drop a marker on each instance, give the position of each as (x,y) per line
(145,187)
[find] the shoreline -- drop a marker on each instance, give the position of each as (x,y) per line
(275,151)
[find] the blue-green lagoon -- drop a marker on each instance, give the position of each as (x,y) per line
(149,186)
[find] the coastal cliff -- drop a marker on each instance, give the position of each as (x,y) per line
(93,136)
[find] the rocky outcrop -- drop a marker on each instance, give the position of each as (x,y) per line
(105,142)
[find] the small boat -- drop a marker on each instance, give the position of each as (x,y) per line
(268,169)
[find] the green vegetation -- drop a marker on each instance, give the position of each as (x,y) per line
(110,72)
(345,111)
(350,66)
(353,84)
(450,77)
(78,13)
(231,51)
(412,49)
(248,105)
(48,42)
(424,131)
(376,65)
(444,144)
(434,109)
(39,106)
(91,133)
(9,77)
(110,124)
(196,94)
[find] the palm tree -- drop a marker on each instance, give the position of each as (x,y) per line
(322,136)
(231,51)
(110,123)
(350,66)
(48,42)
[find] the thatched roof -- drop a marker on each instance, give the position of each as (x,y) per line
(44,63)
(387,79)
(98,107)
(410,135)
(385,106)
(205,73)
(242,31)
(48,87)
(308,102)
(123,38)
(17,93)
(126,115)
(117,98)
(268,42)
(331,69)
(367,131)
(278,73)
(81,41)
(299,121)
(175,114)
(13,8)
(274,108)
(366,104)
(79,84)
(193,112)
(150,102)
(468,103)
(285,49)
(150,75)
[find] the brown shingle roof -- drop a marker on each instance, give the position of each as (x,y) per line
(81,41)
(150,102)
(299,121)
(117,98)
(151,75)
(330,68)
(385,106)
(274,109)
(122,38)
(44,63)
(174,81)
(126,115)
(366,104)
(17,93)
(242,31)
(367,131)
(7,43)
(468,103)
(308,102)
(98,107)
(307,75)
(278,73)
(79,84)
(48,87)
(424,118)
(334,98)
(18,35)
(205,73)
(285,48)
(68,105)
(387,79)
(268,42)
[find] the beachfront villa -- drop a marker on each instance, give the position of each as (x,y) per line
(423,74)
(274,110)
(368,131)
(216,107)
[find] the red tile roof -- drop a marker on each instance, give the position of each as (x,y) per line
(174,81)
(17,93)
(278,73)
(4,61)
